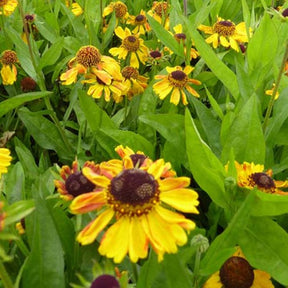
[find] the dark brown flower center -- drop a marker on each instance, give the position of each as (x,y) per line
(130,72)
(29,18)
(28,84)
(178,75)
(285,13)
(88,56)
(236,272)
(133,186)
(120,9)
(161,9)
(155,54)
(105,281)
(9,57)
(178,78)
(140,19)
(131,43)
(138,159)
(78,184)
(262,180)
(224,28)
(180,36)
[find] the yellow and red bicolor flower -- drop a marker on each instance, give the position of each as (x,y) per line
(134,195)
(250,176)
(73,183)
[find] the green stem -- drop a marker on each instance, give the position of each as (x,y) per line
(272,99)
(7,283)
(135,271)
(22,246)
(41,82)
(196,268)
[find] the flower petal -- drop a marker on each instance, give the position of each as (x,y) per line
(91,231)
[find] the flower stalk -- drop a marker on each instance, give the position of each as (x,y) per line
(273,96)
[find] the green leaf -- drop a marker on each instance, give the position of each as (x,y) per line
(245,132)
(280,114)
(14,102)
(222,72)
(45,29)
(265,244)
(18,210)
(210,125)
(109,32)
(169,125)
(165,37)
(260,52)
(205,167)
(44,132)
(45,265)
(51,56)
(224,244)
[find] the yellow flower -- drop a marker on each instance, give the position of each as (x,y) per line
(7,7)
(135,84)
(75,7)
(20,226)
(237,272)
(160,12)
(136,193)
(270,92)
(9,70)
(226,33)
(121,10)
(250,176)
(180,36)
(73,182)
(141,23)
(132,46)
(104,86)
(176,82)
(88,58)
(5,160)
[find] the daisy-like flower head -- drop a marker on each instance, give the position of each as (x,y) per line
(160,12)
(135,83)
(271,91)
(104,86)
(134,194)
(237,272)
(5,160)
(76,9)
(73,182)
(105,281)
(28,84)
(132,46)
(121,10)
(226,33)
(7,7)
(141,23)
(88,58)
(9,71)
(176,82)
(250,175)
(180,36)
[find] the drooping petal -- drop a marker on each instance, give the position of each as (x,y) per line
(87,202)
(92,230)
(175,96)
(95,178)
(115,242)
(138,240)
(8,74)
(134,60)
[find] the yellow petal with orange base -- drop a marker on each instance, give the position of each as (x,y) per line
(87,202)
(95,178)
